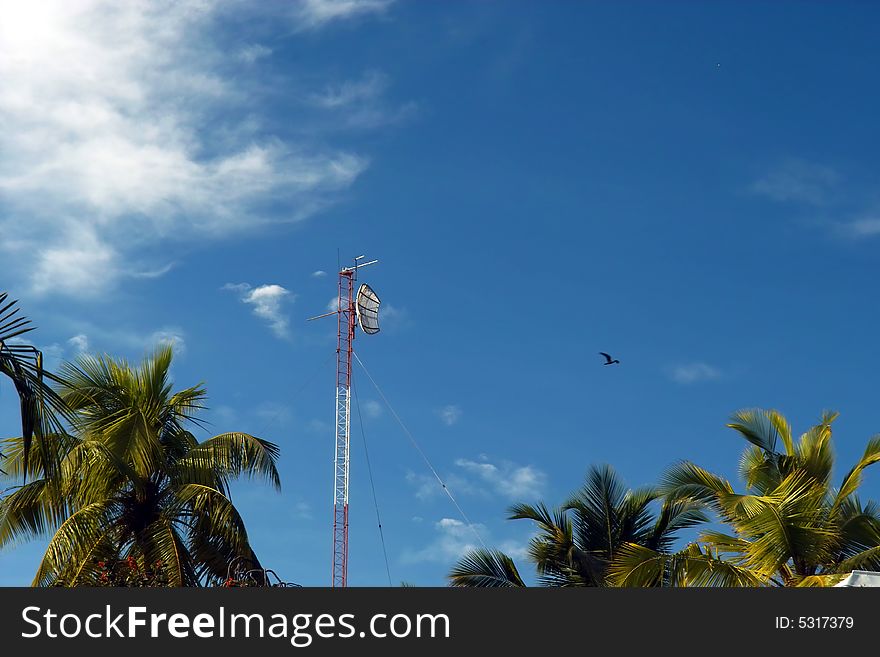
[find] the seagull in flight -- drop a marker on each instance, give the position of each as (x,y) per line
(608,360)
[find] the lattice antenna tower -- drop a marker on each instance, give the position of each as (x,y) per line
(351,311)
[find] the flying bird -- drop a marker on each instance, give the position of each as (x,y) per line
(608,360)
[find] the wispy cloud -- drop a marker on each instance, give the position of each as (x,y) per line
(369,87)
(302,510)
(453,538)
(450,414)
(319,274)
(481,477)
(250,54)
(108,150)
(79,342)
(131,341)
(394,318)
(360,103)
(372,408)
(800,181)
(687,373)
(314,14)
(171,337)
(507,479)
(153,273)
(267,302)
(860,228)
(427,487)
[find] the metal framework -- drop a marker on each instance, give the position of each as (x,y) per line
(346,323)
(345,338)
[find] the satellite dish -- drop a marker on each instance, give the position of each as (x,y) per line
(367,307)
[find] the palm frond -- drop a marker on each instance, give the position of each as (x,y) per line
(763,428)
(230,455)
(483,568)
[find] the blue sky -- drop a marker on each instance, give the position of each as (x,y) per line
(689,186)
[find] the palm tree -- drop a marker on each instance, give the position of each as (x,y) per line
(23,365)
(790,527)
(578,541)
(134,484)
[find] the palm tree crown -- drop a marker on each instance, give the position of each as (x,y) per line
(790,528)
(132,482)
(578,541)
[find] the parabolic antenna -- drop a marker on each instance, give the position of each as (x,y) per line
(367,307)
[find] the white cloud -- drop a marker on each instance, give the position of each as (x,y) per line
(80,265)
(514,549)
(153,273)
(302,510)
(112,146)
(796,180)
(372,408)
(371,85)
(250,54)
(688,373)
(359,103)
(453,539)
(861,228)
(267,302)
(319,426)
(80,342)
(319,274)
(450,414)
(52,356)
(170,337)
(483,478)
(394,318)
(314,14)
(507,479)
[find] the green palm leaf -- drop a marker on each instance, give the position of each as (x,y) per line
(482,568)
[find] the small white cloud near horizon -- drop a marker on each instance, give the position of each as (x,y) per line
(267,301)
(697,372)
(797,180)
(450,414)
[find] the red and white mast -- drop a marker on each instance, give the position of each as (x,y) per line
(341,461)
(347,321)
